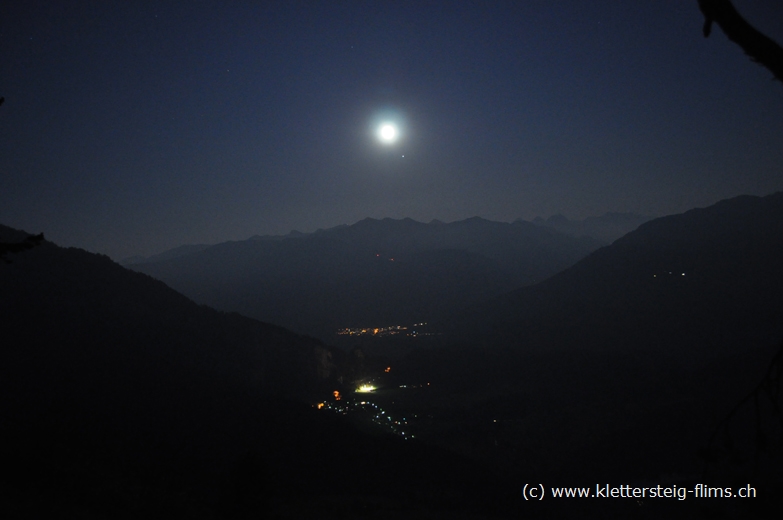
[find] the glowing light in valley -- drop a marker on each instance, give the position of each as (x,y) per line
(363,389)
(388,133)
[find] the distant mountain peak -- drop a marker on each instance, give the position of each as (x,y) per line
(557,219)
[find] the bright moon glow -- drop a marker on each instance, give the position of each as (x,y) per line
(387,133)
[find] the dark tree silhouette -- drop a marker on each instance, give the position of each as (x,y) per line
(765,51)
(722,444)
(760,48)
(17,247)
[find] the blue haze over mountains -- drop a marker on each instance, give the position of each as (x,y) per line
(606,228)
(374,273)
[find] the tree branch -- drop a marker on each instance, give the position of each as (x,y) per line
(759,47)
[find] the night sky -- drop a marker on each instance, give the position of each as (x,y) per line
(134,127)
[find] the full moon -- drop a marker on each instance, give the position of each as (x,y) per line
(387,133)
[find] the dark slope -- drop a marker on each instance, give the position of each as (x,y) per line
(100,360)
(123,398)
(373,273)
(617,369)
(707,277)
(50,292)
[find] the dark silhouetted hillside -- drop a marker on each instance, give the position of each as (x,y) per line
(622,366)
(708,277)
(123,398)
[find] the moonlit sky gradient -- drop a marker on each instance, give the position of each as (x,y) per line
(133,127)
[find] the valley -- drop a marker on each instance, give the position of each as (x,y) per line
(619,367)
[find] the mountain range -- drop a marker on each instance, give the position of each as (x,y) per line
(625,363)
(121,398)
(628,364)
(375,273)
(709,277)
